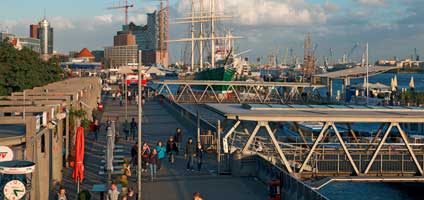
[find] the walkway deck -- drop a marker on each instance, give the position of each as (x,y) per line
(173,182)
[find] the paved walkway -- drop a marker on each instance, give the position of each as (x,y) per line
(173,181)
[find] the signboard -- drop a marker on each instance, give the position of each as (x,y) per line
(6,154)
(37,123)
(14,190)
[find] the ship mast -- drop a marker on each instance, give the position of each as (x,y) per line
(192,35)
(212,9)
(201,36)
(197,19)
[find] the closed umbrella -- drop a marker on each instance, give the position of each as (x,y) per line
(78,173)
(411,83)
(395,82)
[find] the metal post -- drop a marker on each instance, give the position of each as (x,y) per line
(251,137)
(319,138)
(126,100)
(352,162)
(218,145)
(378,148)
(198,122)
(278,148)
(225,139)
(408,146)
(367,74)
(139,135)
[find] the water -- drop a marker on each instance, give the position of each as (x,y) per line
(403,81)
(374,191)
(378,191)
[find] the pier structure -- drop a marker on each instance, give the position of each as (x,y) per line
(348,74)
(36,125)
(199,91)
(388,154)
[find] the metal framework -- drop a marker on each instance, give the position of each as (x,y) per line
(194,91)
(321,157)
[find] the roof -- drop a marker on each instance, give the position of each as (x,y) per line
(320,113)
(356,72)
(85,53)
(372,85)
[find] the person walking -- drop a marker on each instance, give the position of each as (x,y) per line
(131,194)
(121,100)
(145,154)
(113,96)
(153,162)
(61,195)
(199,156)
(178,138)
(133,128)
(189,153)
(96,130)
(134,153)
(171,149)
(112,193)
(161,153)
(126,129)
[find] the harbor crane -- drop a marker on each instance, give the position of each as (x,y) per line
(126,6)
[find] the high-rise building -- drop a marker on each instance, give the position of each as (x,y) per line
(45,33)
(119,56)
(124,38)
(33,31)
(151,38)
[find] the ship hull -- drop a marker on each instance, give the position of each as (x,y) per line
(216,74)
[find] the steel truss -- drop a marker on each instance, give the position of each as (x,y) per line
(369,154)
(190,91)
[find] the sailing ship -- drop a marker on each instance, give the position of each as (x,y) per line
(220,64)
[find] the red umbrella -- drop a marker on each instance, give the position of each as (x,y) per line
(78,173)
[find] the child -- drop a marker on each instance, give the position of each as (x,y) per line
(199,156)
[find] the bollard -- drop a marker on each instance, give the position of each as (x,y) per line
(236,163)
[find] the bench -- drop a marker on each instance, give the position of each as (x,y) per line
(115,150)
(115,161)
(114,172)
(119,167)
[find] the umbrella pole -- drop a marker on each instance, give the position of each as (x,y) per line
(78,185)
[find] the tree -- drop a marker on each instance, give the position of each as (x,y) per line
(23,69)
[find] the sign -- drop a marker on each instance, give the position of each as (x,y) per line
(14,190)
(6,154)
(26,168)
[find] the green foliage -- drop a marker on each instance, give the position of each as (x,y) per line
(23,69)
(77,113)
(84,195)
(85,123)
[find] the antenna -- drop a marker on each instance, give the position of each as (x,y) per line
(44,13)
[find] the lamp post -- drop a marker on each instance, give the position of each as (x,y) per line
(140,110)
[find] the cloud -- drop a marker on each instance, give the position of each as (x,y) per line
(372,2)
(269,12)
(62,23)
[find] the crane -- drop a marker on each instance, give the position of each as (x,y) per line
(125,7)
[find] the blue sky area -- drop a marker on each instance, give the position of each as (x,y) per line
(392,27)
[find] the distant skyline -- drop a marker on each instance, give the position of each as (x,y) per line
(392,27)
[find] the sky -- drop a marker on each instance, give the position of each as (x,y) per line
(391,27)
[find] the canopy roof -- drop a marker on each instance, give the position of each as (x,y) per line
(320,113)
(356,72)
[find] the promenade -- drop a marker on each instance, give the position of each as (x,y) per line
(172,182)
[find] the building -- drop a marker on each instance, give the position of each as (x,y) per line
(99,55)
(21,42)
(30,43)
(119,56)
(6,36)
(86,55)
(151,37)
(45,33)
(124,38)
(33,31)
